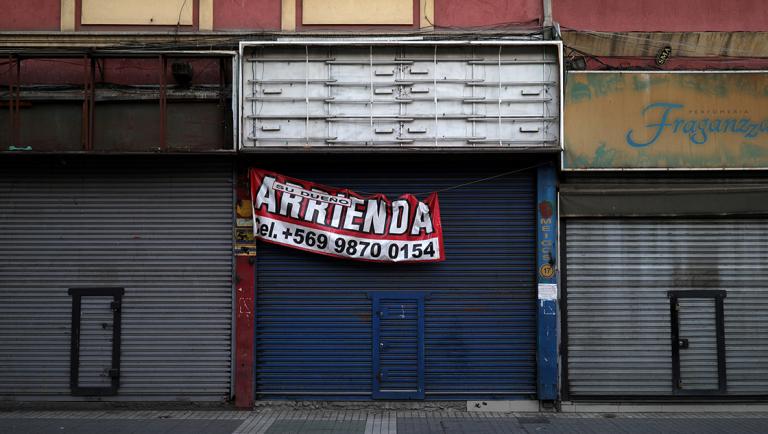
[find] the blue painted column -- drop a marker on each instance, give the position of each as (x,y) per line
(547,276)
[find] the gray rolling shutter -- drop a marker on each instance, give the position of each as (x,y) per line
(698,362)
(618,273)
(160,229)
(96,326)
(314,328)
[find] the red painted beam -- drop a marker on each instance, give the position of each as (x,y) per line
(244,331)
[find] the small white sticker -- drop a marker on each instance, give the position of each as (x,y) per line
(547,291)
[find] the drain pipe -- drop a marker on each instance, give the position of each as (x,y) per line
(547,8)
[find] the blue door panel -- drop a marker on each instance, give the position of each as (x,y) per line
(398,345)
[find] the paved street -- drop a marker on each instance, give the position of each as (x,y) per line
(285,421)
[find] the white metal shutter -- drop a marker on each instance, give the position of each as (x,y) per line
(484,94)
(160,228)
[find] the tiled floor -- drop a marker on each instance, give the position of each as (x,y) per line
(293,421)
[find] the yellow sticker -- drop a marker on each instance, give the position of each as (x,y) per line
(547,271)
(244,208)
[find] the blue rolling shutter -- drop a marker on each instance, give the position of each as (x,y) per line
(314,313)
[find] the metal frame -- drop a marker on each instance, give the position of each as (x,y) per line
(565,385)
(376,328)
(718,296)
(89,59)
(396,41)
(658,169)
(74,363)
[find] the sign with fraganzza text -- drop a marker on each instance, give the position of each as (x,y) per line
(661,120)
(339,222)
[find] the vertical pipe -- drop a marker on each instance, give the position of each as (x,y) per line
(547,12)
(222,99)
(163,102)
(16,113)
(11,89)
(547,279)
(89,103)
(84,124)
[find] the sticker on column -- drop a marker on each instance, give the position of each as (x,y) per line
(547,291)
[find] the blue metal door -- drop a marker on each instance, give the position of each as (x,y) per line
(398,345)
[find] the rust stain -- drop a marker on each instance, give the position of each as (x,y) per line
(364,317)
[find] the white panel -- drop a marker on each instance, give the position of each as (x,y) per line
(499,96)
(137,12)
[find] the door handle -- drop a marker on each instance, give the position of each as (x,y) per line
(682,343)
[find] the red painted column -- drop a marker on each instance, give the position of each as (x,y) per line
(245,295)
(244,331)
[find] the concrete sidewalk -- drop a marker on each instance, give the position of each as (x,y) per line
(284,421)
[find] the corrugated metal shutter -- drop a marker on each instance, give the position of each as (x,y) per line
(160,228)
(618,273)
(95,355)
(314,330)
(698,361)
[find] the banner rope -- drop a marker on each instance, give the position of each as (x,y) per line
(476,181)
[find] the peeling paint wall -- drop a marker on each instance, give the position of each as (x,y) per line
(662,15)
(484,13)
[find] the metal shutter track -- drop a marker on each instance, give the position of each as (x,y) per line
(162,230)
(618,275)
(314,315)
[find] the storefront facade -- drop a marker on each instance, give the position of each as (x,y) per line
(476,123)
(664,236)
(116,241)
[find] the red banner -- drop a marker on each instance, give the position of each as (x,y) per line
(341,223)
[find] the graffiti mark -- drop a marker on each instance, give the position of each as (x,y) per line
(244,307)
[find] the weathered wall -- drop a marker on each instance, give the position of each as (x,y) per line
(600,15)
(476,13)
(679,63)
(246,14)
(30,15)
(661,15)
